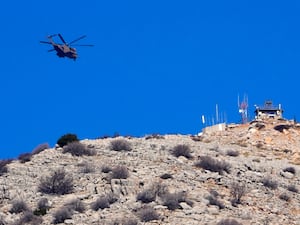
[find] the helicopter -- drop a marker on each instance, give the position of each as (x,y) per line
(65,49)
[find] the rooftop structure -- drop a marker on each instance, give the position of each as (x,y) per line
(268,110)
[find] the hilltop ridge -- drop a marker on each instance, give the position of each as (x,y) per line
(247,174)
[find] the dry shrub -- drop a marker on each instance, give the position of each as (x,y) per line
(61,215)
(147,214)
(285,197)
(182,150)
(211,164)
(3,166)
(120,145)
(42,207)
(18,206)
(213,200)
(229,222)
(24,157)
(76,205)
(101,203)
(87,167)
(237,191)
(38,149)
(57,183)
(147,196)
(270,183)
(29,218)
(78,149)
(120,172)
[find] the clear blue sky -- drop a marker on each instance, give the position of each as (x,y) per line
(156,67)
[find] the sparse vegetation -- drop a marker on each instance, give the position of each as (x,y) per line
(120,145)
(101,203)
(87,167)
(270,183)
(154,136)
(237,191)
(76,148)
(106,169)
(213,200)
(147,196)
(42,207)
(29,218)
(284,197)
(3,166)
(182,150)
(229,222)
(24,157)
(76,205)
(124,221)
(38,149)
(18,206)
(62,214)
(57,183)
(211,164)
(66,139)
(173,200)
(120,172)
(147,214)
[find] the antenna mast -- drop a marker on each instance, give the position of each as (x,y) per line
(243,109)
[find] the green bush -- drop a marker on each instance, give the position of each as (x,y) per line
(66,139)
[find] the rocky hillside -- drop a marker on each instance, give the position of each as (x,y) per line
(247,174)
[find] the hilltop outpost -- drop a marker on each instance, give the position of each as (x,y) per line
(268,110)
(262,113)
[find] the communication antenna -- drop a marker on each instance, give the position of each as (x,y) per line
(243,108)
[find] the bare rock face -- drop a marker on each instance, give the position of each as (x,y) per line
(247,173)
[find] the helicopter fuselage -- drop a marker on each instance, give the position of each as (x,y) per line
(65,51)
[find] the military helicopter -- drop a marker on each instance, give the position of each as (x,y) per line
(65,49)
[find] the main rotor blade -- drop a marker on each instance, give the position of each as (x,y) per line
(84,45)
(51,50)
(61,38)
(45,42)
(77,39)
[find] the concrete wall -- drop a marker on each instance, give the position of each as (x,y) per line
(214,128)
